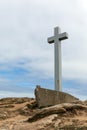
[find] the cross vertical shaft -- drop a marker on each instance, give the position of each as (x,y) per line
(56,39)
(57,61)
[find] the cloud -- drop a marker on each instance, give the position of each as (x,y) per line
(24,29)
(5,94)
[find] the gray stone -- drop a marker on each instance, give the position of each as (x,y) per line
(46,97)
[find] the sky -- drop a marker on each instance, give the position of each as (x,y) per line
(27,60)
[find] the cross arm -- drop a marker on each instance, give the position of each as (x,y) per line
(63,36)
(50,40)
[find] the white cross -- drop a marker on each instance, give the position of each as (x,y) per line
(57,38)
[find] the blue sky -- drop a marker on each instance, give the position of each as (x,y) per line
(27,60)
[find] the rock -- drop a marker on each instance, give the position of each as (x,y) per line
(46,112)
(46,97)
(3,116)
(57,109)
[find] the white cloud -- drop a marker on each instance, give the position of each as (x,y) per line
(25,26)
(4,94)
(75,70)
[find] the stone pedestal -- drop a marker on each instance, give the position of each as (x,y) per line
(46,97)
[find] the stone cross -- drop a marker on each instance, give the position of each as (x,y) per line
(57,38)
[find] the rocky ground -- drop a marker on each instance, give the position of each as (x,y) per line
(23,114)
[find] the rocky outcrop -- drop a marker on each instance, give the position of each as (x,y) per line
(57,109)
(24,114)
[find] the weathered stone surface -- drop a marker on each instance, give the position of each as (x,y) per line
(46,97)
(57,109)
